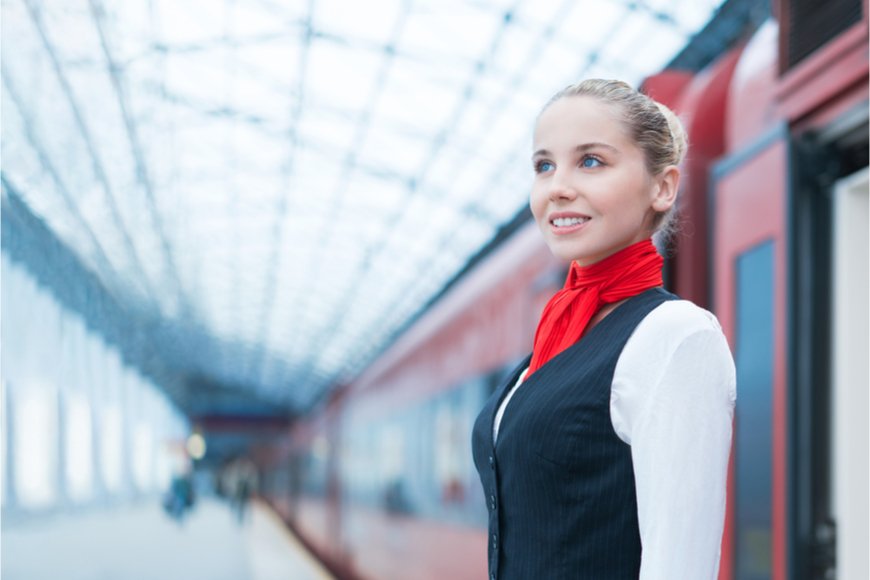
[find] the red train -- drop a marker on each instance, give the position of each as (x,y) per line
(380,482)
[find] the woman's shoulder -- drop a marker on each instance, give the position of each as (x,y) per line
(673,338)
(667,326)
(678,340)
(674,320)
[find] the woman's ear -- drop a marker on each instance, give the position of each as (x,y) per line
(668,187)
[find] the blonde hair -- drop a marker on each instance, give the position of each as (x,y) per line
(654,128)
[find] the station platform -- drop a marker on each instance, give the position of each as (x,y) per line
(141,542)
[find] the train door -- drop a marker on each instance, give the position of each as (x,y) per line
(749,197)
(828,293)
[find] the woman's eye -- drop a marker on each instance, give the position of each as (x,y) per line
(590,162)
(543,166)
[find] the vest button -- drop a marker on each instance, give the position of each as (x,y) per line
(492,576)
(492,501)
(491,461)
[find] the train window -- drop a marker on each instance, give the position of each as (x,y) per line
(391,461)
(753,452)
(418,460)
(315,469)
(449,438)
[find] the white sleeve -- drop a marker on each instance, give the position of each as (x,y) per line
(674,403)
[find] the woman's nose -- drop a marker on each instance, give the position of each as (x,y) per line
(562,187)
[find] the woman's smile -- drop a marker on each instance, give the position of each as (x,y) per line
(563,223)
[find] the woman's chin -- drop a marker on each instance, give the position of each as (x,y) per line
(570,254)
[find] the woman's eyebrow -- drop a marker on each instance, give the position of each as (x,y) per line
(595,145)
(581,147)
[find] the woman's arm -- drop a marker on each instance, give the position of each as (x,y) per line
(672,400)
(680,442)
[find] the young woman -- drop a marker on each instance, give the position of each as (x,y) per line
(604,455)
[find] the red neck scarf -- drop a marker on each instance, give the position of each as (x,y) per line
(626,273)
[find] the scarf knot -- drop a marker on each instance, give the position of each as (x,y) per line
(624,274)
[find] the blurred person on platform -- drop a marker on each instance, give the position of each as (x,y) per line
(238,482)
(179,498)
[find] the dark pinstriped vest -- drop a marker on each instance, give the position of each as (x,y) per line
(559,483)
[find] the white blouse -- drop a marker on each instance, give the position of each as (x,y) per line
(672,399)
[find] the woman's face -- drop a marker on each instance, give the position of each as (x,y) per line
(592,194)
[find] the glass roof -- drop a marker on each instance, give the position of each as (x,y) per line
(295,180)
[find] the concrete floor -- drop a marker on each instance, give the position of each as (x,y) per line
(139,542)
